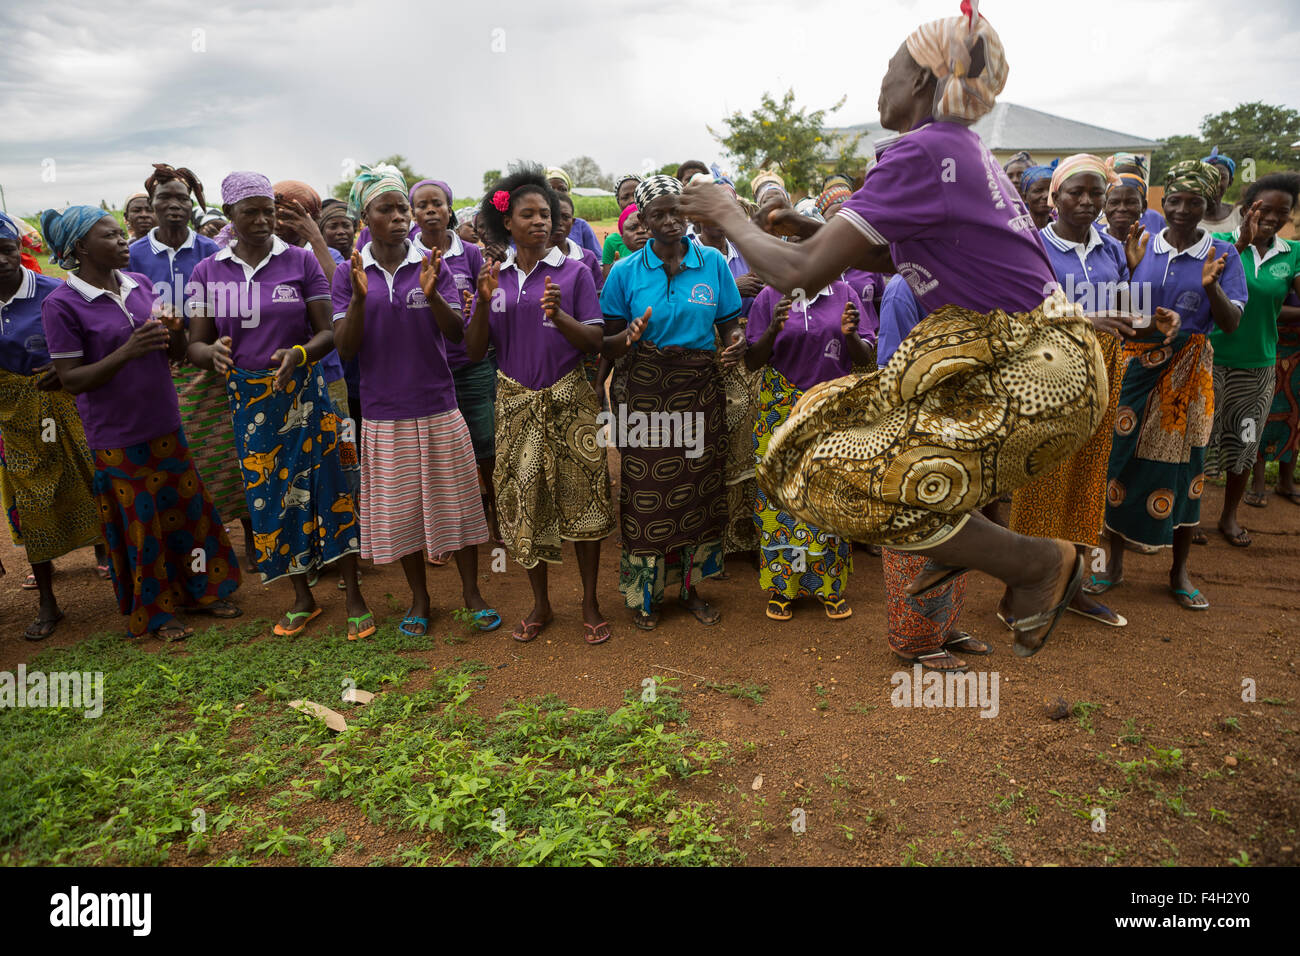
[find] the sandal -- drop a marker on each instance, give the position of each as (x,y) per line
(356,632)
(1198,537)
(838,609)
(1255,499)
(705,613)
(438,562)
(528,630)
(175,631)
(1291,496)
(1239,540)
(1102,615)
(647,622)
(1096,585)
(1048,618)
(30,583)
(222,609)
(778,609)
(967,644)
(934,660)
(948,575)
(281,631)
(488,615)
(102,571)
(1188,599)
(40,628)
(410,618)
(598,634)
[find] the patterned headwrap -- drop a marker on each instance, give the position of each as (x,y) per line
(765,180)
(300,192)
(211,215)
(652,187)
(162,173)
(624,178)
(1193,176)
(1226,162)
(243,184)
(967,59)
(1136,160)
(1130,179)
(627,211)
(555,172)
(1020,157)
(1034,173)
(371,181)
(9,229)
(836,189)
(63,229)
(131,198)
(1079,163)
(331,208)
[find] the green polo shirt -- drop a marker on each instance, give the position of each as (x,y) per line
(1268,279)
(614,248)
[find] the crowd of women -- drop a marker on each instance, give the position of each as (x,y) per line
(451,378)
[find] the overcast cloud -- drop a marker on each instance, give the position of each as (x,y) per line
(294,89)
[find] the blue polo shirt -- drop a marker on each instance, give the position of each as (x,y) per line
(899,314)
(1173,279)
(22,336)
(685,308)
(163,264)
(1091,273)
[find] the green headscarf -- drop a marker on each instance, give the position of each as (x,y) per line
(1193,176)
(370,182)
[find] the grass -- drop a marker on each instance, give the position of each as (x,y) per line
(196,754)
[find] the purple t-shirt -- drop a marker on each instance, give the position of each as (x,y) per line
(403,355)
(170,269)
(271,300)
(810,347)
(957,229)
(530,349)
(464,260)
(588,258)
(870,287)
(1164,278)
(139,403)
(1091,273)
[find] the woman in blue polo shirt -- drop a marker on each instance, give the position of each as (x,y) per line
(669,407)
(45,467)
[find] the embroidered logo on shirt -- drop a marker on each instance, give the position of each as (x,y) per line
(918,277)
(1280,270)
(285,293)
(701,294)
(832,349)
(1188,301)
(35,343)
(415,299)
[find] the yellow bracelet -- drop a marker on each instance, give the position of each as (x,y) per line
(304,355)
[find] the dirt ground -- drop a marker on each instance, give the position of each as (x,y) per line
(879,784)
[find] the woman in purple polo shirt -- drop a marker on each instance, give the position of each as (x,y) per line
(476,382)
(539,308)
(994,387)
(262,318)
(167,549)
(46,470)
(395,310)
(796,345)
(1166,407)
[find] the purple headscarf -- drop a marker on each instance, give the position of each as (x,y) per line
(242,185)
(446,191)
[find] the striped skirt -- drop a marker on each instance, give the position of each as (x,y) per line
(1242,397)
(205,417)
(419,488)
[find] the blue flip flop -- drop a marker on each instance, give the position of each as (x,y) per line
(487,615)
(1190,596)
(412,619)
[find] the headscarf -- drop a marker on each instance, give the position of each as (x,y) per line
(62,230)
(765,180)
(652,187)
(808,207)
(627,211)
(162,173)
(1226,162)
(836,189)
(244,184)
(1193,176)
(131,198)
(966,57)
(297,191)
(1034,173)
(1130,179)
(1136,160)
(1079,163)
(331,208)
(1020,157)
(9,229)
(371,181)
(555,172)
(624,178)
(452,219)
(211,215)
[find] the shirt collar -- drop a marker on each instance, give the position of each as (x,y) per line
(412,255)
(1196,250)
(278,246)
(90,292)
(457,248)
(26,287)
(574,250)
(1065,245)
(692,259)
(554,257)
(825,290)
(1277,247)
(161,247)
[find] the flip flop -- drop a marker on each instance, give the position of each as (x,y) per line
(355,631)
(1198,537)
(598,634)
(778,609)
(1291,496)
(412,619)
(1241,539)
(437,562)
(702,612)
(102,571)
(1095,585)
(838,610)
(1101,614)
(1048,618)
(647,622)
(489,615)
(281,631)
(966,643)
(1188,599)
(931,660)
(221,609)
(528,630)
(39,630)
(171,633)
(1255,500)
(29,584)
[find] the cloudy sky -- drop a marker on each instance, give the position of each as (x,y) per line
(91,93)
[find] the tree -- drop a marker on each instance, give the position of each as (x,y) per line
(491,178)
(341,190)
(785,138)
(1253,131)
(1175,150)
(584,171)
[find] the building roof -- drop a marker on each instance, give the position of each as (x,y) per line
(1011,127)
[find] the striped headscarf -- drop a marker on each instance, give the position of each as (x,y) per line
(372,181)
(1020,157)
(1130,179)
(555,172)
(624,178)
(1135,160)
(967,59)
(9,229)
(1193,176)
(765,180)
(331,208)
(132,198)
(1218,159)
(836,189)
(652,187)
(1079,163)
(62,230)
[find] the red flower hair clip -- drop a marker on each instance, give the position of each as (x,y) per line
(501,199)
